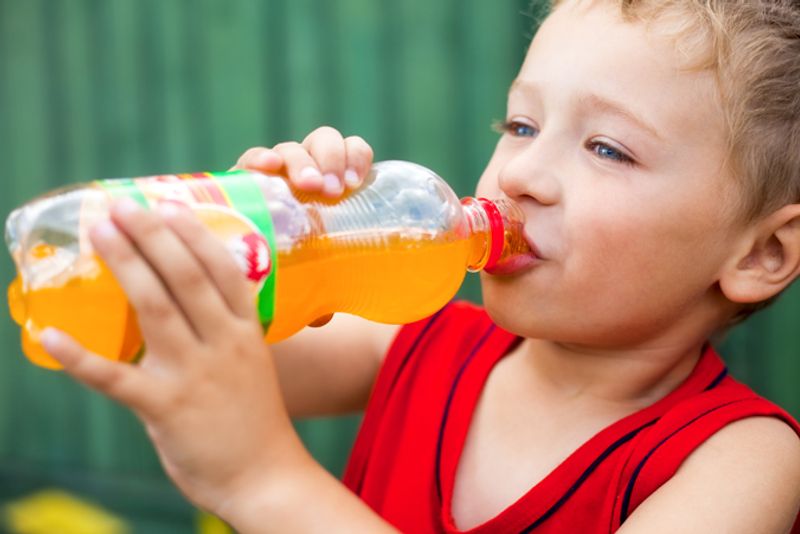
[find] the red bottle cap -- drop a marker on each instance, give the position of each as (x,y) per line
(497,229)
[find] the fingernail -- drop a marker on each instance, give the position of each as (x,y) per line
(351,178)
(105,230)
(333,186)
(127,206)
(310,177)
(168,209)
(50,339)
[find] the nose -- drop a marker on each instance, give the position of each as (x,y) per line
(531,172)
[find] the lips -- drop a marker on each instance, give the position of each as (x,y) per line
(516,263)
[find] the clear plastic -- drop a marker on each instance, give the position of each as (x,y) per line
(394,251)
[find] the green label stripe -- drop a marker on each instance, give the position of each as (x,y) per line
(124,187)
(246,198)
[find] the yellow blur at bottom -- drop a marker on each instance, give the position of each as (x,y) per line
(209,524)
(52,510)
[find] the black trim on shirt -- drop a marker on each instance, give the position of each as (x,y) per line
(589,470)
(717,380)
(446,414)
(360,486)
(626,500)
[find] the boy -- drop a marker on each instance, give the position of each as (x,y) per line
(660,191)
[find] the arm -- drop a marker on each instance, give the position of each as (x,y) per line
(744,479)
(330,370)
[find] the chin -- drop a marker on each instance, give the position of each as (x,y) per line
(518,310)
(508,307)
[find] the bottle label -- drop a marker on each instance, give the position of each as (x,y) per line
(232,205)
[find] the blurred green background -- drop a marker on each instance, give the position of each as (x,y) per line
(113,88)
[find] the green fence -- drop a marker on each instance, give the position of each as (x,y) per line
(108,88)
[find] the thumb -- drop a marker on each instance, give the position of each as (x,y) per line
(122,382)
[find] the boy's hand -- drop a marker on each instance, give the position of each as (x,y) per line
(206,389)
(325,162)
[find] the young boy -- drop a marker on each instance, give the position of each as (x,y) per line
(654,147)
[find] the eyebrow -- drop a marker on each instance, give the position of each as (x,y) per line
(614,108)
(599,103)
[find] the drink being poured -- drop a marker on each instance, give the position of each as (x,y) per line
(394,251)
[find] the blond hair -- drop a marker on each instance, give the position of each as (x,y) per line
(753,48)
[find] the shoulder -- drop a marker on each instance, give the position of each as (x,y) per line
(754,451)
(767,440)
(743,478)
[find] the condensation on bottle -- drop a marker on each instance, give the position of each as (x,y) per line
(395,250)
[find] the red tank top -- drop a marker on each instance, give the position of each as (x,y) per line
(404,460)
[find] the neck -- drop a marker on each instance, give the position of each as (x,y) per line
(638,376)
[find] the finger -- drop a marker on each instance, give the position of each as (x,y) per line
(216,259)
(359,161)
(260,159)
(173,297)
(122,382)
(186,279)
(326,146)
(156,312)
(300,167)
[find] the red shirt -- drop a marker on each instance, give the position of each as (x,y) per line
(404,460)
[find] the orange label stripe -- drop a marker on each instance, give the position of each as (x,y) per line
(205,189)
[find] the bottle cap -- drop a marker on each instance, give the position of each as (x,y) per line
(497,230)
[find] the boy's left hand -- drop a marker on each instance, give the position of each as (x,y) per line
(206,389)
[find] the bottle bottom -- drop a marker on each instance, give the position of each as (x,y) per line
(91,309)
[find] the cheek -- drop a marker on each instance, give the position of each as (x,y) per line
(637,256)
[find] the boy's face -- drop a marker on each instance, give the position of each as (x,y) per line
(629,249)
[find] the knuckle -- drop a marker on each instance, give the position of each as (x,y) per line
(190,277)
(247,154)
(114,383)
(156,309)
(359,149)
(250,154)
(121,255)
(101,377)
(327,131)
(358,141)
(147,225)
(286,146)
(242,160)
(243,345)
(159,407)
(293,154)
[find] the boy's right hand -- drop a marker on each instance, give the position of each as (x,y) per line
(325,162)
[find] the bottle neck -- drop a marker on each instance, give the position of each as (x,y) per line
(496,233)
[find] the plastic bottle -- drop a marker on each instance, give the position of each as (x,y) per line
(393,251)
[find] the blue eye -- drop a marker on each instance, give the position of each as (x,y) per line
(607,152)
(516,129)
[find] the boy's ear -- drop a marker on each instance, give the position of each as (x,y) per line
(769,259)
